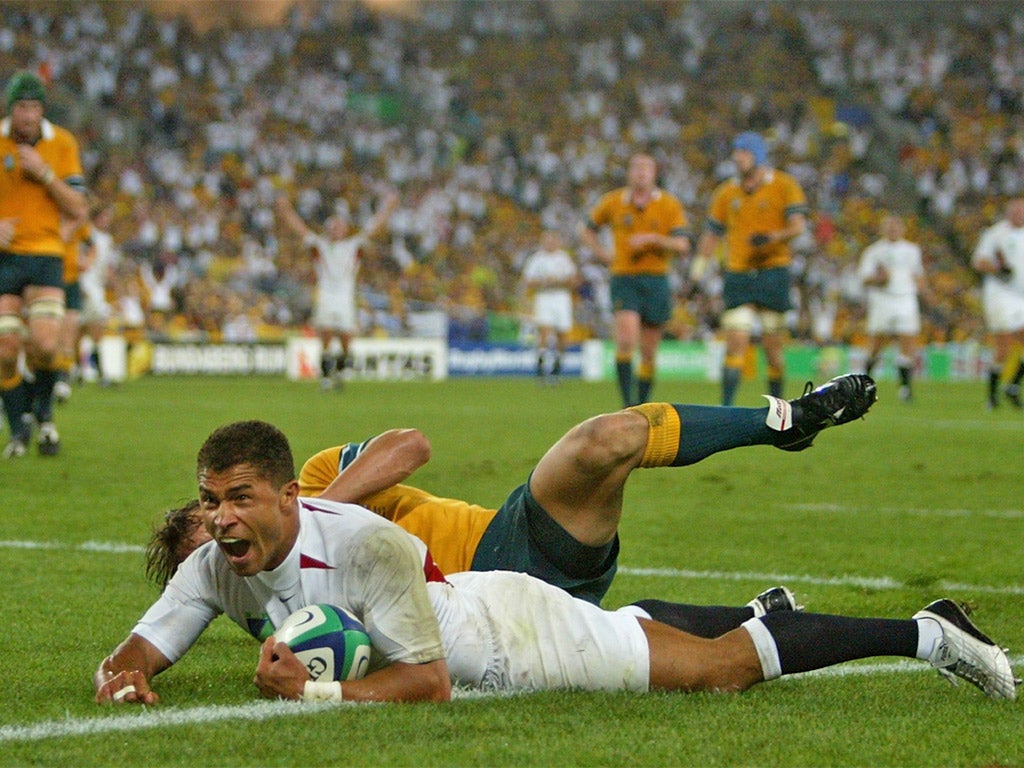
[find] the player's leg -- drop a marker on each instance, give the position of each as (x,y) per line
(627,305)
(1001,342)
(344,361)
(14,391)
(655,312)
(789,642)
(650,338)
(45,311)
(1012,389)
(907,345)
(627,338)
(773,342)
(67,354)
(579,481)
(772,316)
(738,324)
(328,356)
(544,364)
(712,620)
(877,344)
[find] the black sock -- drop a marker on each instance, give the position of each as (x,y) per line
(994,374)
(42,394)
(328,364)
(701,620)
(624,373)
(18,402)
(643,390)
(809,641)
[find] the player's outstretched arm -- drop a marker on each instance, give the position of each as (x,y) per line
(389,458)
(376,224)
(124,676)
(290,217)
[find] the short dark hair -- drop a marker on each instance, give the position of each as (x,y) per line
(256,443)
(166,548)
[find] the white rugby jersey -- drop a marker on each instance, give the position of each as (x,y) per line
(497,630)
(900,258)
(337,265)
(549,265)
(1008,240)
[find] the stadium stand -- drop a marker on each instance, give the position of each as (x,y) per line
(494,120)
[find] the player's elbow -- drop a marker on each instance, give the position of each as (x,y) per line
(440,688)
(415,447)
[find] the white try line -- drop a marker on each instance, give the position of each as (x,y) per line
(863,582)
(88,546)
(997,514)
(159,717)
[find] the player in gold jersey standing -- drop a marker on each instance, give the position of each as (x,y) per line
(757,213)
(648,227)
(41,182)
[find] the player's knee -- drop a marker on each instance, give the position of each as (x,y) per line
(11,328)
(741,319)
(772,321)
(610,439)
(46,308)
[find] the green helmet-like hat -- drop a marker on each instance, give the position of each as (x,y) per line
(23,86)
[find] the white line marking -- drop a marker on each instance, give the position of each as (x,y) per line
(867,582)
(999,514)
(88,546)
(145,718)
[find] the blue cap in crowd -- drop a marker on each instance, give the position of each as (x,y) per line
(754,144)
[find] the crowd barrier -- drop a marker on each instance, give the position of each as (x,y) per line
(429,359)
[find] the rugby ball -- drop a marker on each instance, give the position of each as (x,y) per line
(329,640)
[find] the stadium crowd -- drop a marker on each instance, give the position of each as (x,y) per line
(496,120)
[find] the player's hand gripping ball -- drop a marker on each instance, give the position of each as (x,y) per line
(330,641)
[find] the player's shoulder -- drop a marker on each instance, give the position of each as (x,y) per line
(727,187)
(58,134)
(617,197)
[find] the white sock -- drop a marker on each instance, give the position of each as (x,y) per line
(929,632)
(767,651)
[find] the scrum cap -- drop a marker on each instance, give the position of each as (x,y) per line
(23,86)
(754,144)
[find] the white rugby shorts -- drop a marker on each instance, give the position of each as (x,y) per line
(893,315)
(507,631)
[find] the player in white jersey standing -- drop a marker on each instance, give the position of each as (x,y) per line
(336,251)
(550,275)
(892,271)
(999,257)
(273,553)
(96,311)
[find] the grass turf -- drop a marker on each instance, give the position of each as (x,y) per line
(881,516)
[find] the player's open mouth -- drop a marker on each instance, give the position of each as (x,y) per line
(234,548)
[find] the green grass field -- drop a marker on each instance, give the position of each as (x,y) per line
(878,518)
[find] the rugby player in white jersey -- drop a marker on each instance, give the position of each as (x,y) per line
(336,252)
(999,257)
(273,552)
(892,270)
(549,276)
